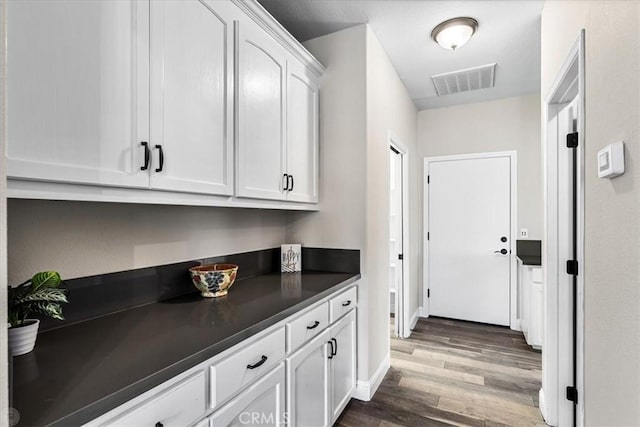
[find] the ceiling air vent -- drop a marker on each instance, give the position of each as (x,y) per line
(465,80)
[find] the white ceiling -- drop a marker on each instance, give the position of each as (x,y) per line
(508,34)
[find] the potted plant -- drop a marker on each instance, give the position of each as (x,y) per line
(42,294)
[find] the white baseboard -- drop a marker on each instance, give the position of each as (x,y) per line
(414,318)
(423,312)
(516,326)
(366,389)
(543,408)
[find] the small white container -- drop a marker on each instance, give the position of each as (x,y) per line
(23,338)
(291,258)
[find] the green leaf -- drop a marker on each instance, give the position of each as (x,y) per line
(48,279)
(46,294)
(51,309)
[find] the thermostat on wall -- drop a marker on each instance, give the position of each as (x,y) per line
(611,160)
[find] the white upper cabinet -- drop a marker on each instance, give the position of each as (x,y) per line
(261,89)
(302,133)
(192,96)
(77,92)
(206,102)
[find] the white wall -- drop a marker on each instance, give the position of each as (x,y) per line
(362,100)
(80,238)
(389,110)
(502,125)
(612,217)
(341,221)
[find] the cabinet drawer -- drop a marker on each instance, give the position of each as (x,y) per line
(342,304)
(260,404)
(233,373)
(307,326)
(180,405)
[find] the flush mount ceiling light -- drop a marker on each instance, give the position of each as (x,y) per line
(455,32)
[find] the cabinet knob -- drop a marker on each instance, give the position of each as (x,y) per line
(346,303)
(292,183)
(159,424)
(285,182)
(335,346)
(330,355)
(501,251)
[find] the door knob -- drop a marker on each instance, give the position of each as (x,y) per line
(501,251)
(503,239)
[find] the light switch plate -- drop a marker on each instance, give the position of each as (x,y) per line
(524,233)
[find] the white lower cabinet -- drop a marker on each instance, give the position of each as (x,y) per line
(308,382)
(531,303)
(343,363)
(321,376)
(260,404)
(174,406)
(243,367)
(248,383)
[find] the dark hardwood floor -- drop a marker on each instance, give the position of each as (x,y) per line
(455,373)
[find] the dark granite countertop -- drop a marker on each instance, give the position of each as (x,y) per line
(530,259)
(529,251)
(80,371)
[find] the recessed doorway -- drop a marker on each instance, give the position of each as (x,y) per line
(398,239)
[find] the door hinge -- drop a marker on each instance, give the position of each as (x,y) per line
(428,293)
(572,140)
(428,179)
(400,257)
(572,267)
(572,394)
(428,235)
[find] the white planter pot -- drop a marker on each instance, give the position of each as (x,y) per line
(22,339)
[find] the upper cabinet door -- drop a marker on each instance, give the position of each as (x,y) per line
(78,91)
(261,89)
(302,133)
(192,96)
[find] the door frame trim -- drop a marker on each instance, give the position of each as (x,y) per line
(513,279)
(396,144)
(570,77)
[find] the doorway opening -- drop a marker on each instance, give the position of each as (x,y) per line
(399,238)
(562,393)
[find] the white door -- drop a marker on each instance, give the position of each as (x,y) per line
(469,246)
(395,239)
(192,97)
(261,90)
(343,363)
(302,134)
(260,404)
(78,91)
(308,383)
